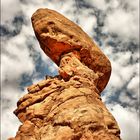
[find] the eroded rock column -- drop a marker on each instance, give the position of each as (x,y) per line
(68,106)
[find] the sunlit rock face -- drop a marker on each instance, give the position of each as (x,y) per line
(57,35)
(67,106)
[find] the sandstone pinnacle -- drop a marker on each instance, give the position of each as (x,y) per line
(67,106)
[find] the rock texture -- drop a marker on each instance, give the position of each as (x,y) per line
(68,106)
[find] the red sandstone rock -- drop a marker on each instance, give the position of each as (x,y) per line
(58,35)
(68,106)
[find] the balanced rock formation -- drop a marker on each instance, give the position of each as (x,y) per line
(67,106)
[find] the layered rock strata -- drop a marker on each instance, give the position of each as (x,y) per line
(67,106)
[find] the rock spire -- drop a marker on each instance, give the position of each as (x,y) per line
(67,106)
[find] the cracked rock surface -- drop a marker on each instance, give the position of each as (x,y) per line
(67,106)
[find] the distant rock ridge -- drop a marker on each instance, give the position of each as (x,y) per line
(67,106)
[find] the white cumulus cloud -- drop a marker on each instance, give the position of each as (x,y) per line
(128,121)
(122,18)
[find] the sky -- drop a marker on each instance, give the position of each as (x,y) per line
(113,24)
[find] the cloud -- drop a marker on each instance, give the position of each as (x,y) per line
(9,9)
(91,21)
(133,86)
(128,121)
(102,5)
(122,23)
(15,61)
(10,95)
(9,129)
(17,57)
(125,71)
(122,19)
